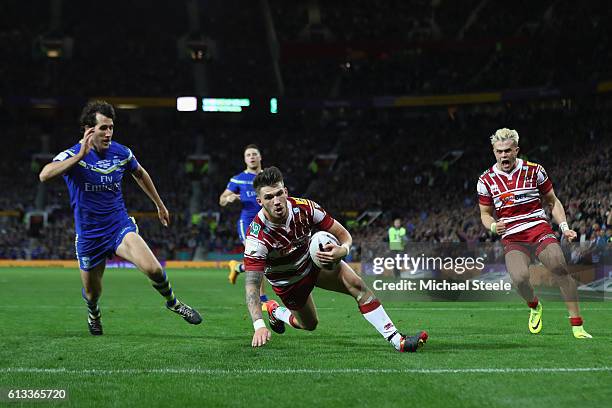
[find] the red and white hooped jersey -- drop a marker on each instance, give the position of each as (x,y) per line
(281,251)
(515,195)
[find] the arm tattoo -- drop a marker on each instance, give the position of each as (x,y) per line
(252,284)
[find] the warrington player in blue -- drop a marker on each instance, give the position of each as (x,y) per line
(240,188)
(93,170)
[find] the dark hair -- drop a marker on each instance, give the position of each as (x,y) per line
(88,115)
(252,146)
(268,177)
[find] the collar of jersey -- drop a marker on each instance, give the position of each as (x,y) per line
(274,225)
(518,165)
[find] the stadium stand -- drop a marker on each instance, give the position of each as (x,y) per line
(329,50)
(396,161)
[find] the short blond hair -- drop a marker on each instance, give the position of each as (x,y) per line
(501,135)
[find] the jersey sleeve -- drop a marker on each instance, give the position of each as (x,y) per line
(484,195)
(66,154)
(132,163)
(233,185)
(320,217)
(544,183)
(255,254)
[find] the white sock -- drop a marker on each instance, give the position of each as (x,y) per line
(375,313)
(284,314)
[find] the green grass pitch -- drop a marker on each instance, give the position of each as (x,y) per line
(479,354)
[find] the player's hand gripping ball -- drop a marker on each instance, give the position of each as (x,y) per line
(317,243)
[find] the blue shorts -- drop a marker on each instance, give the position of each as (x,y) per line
(241,226)
(92,251)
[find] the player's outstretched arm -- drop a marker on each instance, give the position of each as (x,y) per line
(57,168)
(146,184)
(251,286)
(558,214)
(228,197)
(487,219)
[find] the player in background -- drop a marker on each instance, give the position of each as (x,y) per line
(93,170)
(277,246)
(240,189)
(513,190)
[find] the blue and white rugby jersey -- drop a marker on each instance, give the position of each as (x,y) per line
(94,185)
(243,184)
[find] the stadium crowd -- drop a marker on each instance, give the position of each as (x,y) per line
(421,167)
(440,47)
(137,60)
(325,48)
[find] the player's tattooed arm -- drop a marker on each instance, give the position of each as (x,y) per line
(252,283)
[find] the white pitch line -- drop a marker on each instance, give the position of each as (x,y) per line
(139,307)
(219,371)
(428,309)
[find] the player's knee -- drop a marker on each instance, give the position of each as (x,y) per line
(559,270)
(153,270)
(519,276)
(352,281)
(360,291)
(311,326)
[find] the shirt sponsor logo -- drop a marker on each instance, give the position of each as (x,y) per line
(510,198)
(96,188)
(106,184)
(507,198)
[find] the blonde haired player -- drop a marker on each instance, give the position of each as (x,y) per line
(513,190)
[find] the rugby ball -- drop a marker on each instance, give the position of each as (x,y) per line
(317,242)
